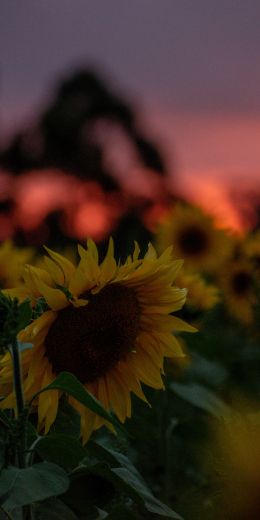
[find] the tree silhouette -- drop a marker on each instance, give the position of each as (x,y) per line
(66,136)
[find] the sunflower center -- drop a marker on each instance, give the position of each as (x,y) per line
(193,240)
(90,340)
(242,283)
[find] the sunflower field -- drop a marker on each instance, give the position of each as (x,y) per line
(129,324)
(130,377)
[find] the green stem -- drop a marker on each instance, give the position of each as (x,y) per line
(21,413)
(18,390)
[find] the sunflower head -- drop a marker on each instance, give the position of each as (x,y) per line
(237,282)
(237,450)
(201,295)
(110,325)
(252,249)
(91,349)
(194,238)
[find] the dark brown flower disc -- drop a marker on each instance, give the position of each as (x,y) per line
(242,283)
(88,341)
(193,240)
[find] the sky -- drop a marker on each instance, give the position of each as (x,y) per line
(190,67)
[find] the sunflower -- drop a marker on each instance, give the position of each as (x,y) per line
(237,282)
(201,295)
(237,463)
(109,325)
(12,260)
(252,249)
(194,237)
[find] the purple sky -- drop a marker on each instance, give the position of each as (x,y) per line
(191,65)
(193,55)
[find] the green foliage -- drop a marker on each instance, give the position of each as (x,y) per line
(67,421)
(121,472)
(199,396)
(104,478)
(40,307)
(64,450)
(20,487)
(53,509)
(24,315)
(13,318)
(163,459)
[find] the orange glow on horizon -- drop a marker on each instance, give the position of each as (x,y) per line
(212,196)
(93,219)
(210,155)
(87,211)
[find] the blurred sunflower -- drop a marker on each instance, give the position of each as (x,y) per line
(252,249)
(237,464)
(201,295)
(108,324)
(194,237)
(12,261)
(237,282)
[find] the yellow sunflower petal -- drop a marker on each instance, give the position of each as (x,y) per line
(18,292)
(131,380)
(146,370)
(65,265)
(169,344)
(92,248)
(152,347)
(136,252)
(116,397)
(8,402)
(181,325)
(47,401)
(151,253)
(55,271)
(55,298)
(108,266)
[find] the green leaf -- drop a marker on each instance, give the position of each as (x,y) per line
(101,514)
(6,421)
(118,512)
(8,477)
(137,487)
(24,314)
(68,383)
(31,433)
(131,483)
(205,371)
(20,487)
(40,307)
(54,509)
(125,476)
(64,450)
(202,398)
(67,420)
(87,491)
